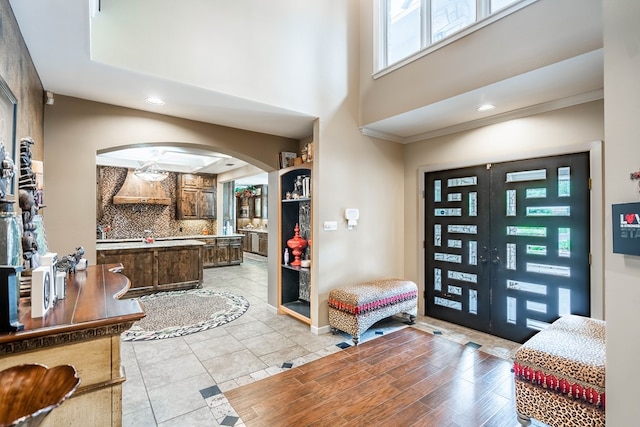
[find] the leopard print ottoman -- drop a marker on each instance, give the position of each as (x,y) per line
(560,374)
(353,309)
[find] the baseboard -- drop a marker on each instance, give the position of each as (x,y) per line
(321,330)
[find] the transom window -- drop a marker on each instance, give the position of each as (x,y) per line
(407,27)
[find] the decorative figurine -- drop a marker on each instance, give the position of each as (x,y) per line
(8,170)
(297,245)
(28,204)
(69,263)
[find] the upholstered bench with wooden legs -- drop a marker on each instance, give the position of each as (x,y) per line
(353,309)
(560,374)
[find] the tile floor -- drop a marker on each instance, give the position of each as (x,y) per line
(181,381)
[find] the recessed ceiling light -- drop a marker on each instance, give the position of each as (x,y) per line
(486,107)
(154,101)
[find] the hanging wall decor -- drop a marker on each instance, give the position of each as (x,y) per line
(635,176)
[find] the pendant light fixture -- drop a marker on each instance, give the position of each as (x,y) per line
(151,172)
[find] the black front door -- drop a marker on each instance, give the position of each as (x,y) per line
(507,244)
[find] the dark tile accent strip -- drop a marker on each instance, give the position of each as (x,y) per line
(229,421)
(210,391)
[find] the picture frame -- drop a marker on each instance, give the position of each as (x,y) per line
(285,156)
(8,120)
(625,218)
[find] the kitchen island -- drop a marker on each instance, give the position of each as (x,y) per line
(164,265)
(83,330)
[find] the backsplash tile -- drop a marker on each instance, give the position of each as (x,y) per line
(130,220)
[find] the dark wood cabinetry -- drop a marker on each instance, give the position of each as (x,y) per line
(263,243)
(255,242)
(156,267)
(221,251)
(294,282)
(196,196)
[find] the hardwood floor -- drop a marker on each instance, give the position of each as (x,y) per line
(407,378)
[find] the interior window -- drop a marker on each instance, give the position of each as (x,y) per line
(403,28)
(407,27)
(449,16)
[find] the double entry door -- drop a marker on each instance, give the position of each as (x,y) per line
(507,244)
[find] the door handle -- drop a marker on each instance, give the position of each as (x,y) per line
(496,260)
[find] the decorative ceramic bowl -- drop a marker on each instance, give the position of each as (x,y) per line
(28,393)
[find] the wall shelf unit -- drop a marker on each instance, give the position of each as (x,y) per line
(294,281)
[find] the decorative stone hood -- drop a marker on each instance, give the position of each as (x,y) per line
(136,190)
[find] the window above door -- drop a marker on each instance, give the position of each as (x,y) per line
(409,29)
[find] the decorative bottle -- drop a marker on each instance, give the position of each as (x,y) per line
(297,244)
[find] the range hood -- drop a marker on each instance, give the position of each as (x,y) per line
(136,190)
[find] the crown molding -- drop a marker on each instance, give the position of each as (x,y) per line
(486,121)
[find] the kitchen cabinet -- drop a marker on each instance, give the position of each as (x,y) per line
(222,250)
(263,242)
(196,196)
(154,267)
(255,241)
(295,290)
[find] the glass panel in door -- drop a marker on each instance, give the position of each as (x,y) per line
(507,245)
(540,236)
(456,246)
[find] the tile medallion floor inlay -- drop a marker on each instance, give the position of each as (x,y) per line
(181,381)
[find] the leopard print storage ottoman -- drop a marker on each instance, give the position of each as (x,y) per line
(353,309)
(560,374)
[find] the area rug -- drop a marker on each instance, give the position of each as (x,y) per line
(179,313)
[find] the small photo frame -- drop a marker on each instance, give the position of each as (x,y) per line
(287,158)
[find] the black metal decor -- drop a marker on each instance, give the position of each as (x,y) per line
(9,294)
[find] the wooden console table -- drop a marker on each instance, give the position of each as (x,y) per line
(82,330)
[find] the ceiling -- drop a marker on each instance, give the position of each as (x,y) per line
(57,35)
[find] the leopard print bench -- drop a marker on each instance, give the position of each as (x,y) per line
(353,309)
(560,374)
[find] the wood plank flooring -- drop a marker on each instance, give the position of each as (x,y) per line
(407,378)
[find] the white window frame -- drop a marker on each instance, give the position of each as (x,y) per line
(483,19)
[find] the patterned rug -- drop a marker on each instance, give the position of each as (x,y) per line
(179,313)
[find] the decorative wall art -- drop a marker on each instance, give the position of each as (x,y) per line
(8,112)
(626,228)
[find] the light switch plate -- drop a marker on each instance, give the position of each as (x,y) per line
(330,225)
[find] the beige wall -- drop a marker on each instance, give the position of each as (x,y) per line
(76,129)
(622,156)
(526,40)
(562,131)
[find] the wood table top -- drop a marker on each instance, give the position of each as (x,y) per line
(91,302)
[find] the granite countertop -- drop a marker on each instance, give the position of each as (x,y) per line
(104,245)
(254,230)
(164,239)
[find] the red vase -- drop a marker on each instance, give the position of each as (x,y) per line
(297,244)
